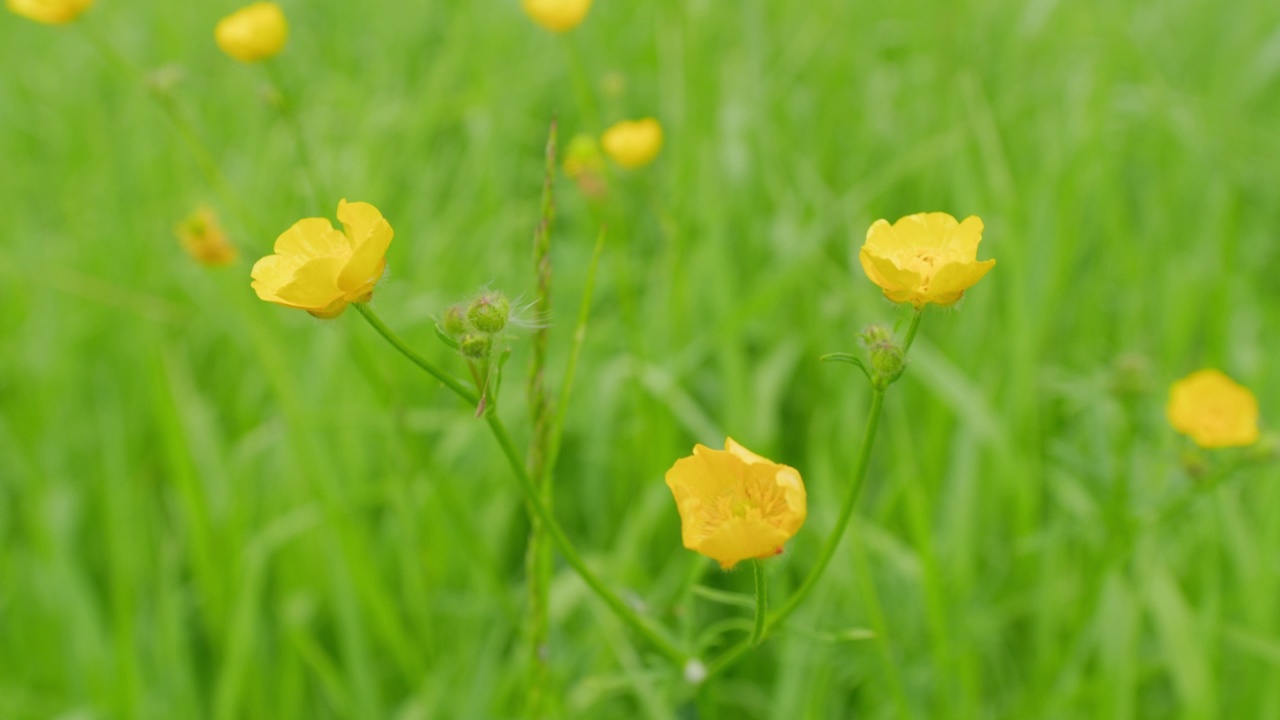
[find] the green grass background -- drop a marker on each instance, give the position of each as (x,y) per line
(215,507)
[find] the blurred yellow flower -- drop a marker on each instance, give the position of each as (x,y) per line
(632,143)
(557,15)
(1213,410)
(734,504)
(320,270)
(201,234)
(924,258)
(52,12)
(253,33)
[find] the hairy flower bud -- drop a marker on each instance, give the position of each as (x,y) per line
(489,312)
(454,322)
(476,346)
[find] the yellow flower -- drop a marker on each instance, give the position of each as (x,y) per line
(557,15)
(320,270)
(201,234)
(253,33)
(52,12)
(924,258)
(1213,410)
(632,143)
(734,504)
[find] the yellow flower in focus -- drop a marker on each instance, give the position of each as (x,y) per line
(253,33)
(924,258)
(51,12)
(556,15)
(1213,410)
(734,504)
(320,270)
(201,234)
(633,143)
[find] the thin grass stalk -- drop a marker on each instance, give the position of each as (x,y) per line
(538,561)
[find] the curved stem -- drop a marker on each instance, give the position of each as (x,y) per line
(534,498)
(450,382)
(762,601)
(842,523)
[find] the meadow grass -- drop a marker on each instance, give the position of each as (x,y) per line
(215,507)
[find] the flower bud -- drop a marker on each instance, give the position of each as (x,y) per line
(489,312)
(887,361)
(874,335)
(1266,449)
(454,322)
(476,346)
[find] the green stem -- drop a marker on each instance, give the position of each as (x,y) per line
(539,560)
(615,603)
(762,601)
(911,331)
(828,550)
(534,499)
(450,382)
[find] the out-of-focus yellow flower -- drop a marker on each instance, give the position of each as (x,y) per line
(51,12)
(320,270)
(557,15)
(924,258)
(201,234)
(734,504)
(253,33)
(584,164)
(1213,410)
(633,143)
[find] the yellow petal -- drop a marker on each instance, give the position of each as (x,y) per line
(314,285)
(358,220)
(741,539)
(746,455)
(365,267)
(704,475)
(313,238)
(963,240)
(272,273)
(924,230)
(1213,410)
(556,15)
(881,239)
(953,279)
(883,272)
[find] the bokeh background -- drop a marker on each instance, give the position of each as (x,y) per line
(215,507)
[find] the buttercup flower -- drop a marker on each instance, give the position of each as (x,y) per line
(924,258)
(556,15)
(633,143)
(1213,410)
(51,12)
(253,33)
(320,270)
(201,234)
(734,504)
